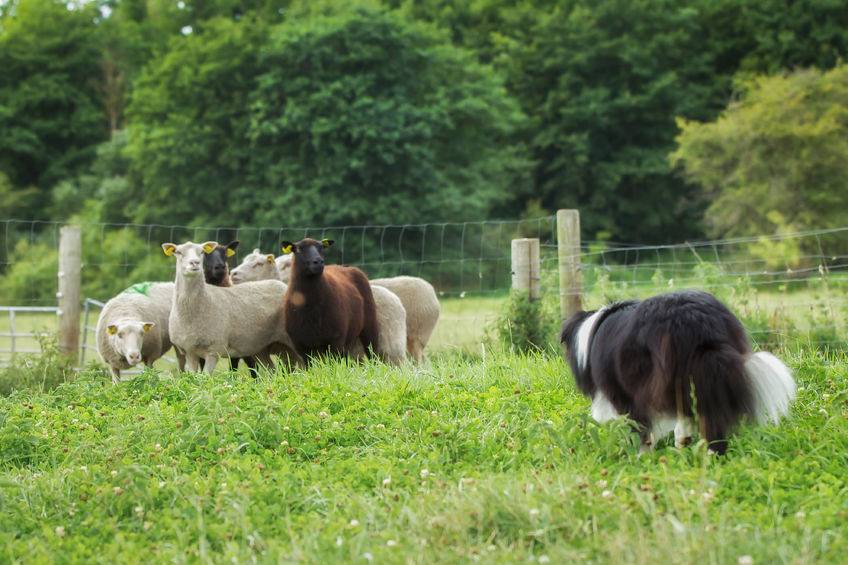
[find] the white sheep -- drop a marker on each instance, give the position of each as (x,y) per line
(391,315)
(284,266)
(133,326)
(210,322)
(256,266)
(422,310)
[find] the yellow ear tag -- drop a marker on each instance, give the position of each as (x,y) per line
(287,249)
(325,243)
(147,327)
(270,258)
(112,329)
(230,252)
(208,248)
(168,249)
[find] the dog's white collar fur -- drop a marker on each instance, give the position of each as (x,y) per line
(584,334)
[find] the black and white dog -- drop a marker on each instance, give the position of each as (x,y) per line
(662,360)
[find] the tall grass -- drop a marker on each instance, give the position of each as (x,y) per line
(489,457)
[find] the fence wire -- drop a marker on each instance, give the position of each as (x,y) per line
(780,284)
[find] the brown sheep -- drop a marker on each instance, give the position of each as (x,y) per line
(327,309)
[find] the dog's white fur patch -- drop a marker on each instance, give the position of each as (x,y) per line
(772,385)
(683,431)
(584,334)
(602,409)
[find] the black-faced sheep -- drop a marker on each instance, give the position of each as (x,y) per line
(391,315)
(216,269)
(327,309)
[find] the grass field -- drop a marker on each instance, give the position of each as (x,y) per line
(488,457)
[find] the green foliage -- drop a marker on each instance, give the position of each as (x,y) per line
(519,326)
(35,373)
(50,112)
(112,260)
(465,459)
(782,147)
(188,139)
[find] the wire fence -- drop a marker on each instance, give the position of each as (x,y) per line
(789,284)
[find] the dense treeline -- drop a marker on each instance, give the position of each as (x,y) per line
(279,112)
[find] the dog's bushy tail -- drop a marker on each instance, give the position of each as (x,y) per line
(723,393)
(772,387)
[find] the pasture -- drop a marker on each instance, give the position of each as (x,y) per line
(486,457)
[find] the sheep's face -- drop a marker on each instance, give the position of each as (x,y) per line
(308,255)
(284,263)
(256,267)
(127,338)
(215,268)
(189,256)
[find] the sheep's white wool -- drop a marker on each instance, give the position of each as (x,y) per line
(772,385)
(602,409)
(141,303)
(422,309)
(584,334)
(209,321)
(391,319)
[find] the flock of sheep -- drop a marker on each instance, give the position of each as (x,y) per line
(291,306)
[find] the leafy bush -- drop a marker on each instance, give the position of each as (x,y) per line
(40,372)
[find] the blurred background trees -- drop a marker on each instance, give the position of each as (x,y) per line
(660,120)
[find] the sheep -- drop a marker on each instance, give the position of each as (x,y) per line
(133,326)
(391,316)
(256,266)
(284,263)
(327,310)
(209,322)
(215,268)
(216,271)
(422,310)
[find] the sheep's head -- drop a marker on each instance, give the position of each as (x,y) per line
(284,263)
(308,255)
(257,266)
(189,255)
(215,268)
(127,338)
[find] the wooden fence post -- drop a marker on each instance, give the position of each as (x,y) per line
(70,263)
(526,269)
(568,251)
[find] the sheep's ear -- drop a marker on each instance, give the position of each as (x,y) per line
(209,247)
(327,243)
(270,258)
(231,247)
(168,249)
(148,326)
(112,329)
(288,247)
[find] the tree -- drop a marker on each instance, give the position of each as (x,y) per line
(776,157)
(188,126)
(364,117)
(51,114)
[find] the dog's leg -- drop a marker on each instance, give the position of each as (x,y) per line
(683,431)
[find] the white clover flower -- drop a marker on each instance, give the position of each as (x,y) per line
(424,473)
(387,481)
(60,531)
(745,560)
(391,543)
(354,523)
(606,494)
